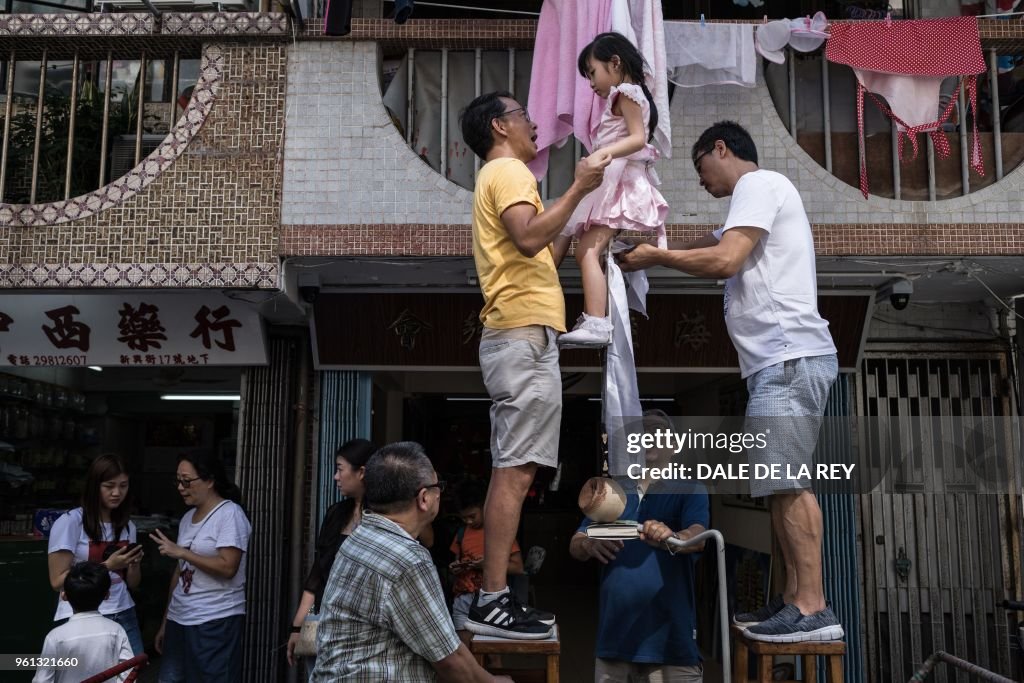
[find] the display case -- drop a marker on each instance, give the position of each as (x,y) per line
(46,443)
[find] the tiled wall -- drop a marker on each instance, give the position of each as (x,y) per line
(210,218)
(353,186)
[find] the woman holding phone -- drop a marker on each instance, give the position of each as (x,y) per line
(101,531)
(201,637)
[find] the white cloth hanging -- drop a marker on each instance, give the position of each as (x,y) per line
(710,54)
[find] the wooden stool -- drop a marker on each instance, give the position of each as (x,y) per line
(550,647)
(743,647)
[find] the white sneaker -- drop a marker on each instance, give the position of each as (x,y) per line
(590,332)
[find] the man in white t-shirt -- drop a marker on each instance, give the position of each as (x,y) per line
(766,253)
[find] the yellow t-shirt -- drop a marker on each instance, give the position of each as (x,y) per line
(518,290)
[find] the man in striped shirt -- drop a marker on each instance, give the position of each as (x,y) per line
(383,615)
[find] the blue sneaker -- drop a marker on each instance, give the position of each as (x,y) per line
(790,626)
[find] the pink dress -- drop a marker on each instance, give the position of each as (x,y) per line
(628,198)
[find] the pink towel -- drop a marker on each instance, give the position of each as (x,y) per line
(561,101)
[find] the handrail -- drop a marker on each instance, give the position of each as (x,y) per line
(723,602)
(973,669)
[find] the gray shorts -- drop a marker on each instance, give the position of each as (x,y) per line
(788,399)
(520,370)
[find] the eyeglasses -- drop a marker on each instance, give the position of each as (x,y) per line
(441,483)
(526,114)
(696,162)
(185,483)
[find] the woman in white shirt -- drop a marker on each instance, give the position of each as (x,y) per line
(101,531)
(201,637)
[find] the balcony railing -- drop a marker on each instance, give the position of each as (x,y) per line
(70,127)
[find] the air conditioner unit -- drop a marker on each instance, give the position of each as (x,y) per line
(122,152)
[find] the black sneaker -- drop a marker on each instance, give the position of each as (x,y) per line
(534,614)
(504,618)
(748,619)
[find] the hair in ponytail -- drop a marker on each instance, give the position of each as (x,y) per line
(608,45)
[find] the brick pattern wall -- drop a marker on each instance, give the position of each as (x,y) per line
(210,218)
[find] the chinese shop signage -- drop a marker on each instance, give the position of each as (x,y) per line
(129,330)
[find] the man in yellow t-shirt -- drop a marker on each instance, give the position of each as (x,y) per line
(517,247)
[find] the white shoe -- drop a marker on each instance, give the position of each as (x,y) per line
(590,332)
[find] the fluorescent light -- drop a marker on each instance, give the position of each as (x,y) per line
(200,397)
(96,368)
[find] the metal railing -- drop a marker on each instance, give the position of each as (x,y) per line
(53,123)
(415,59)
(793,96)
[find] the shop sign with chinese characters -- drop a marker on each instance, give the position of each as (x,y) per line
(129,330)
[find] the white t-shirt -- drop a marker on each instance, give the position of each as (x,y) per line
(95,641)
(771,304)
(210,597)
(67,533)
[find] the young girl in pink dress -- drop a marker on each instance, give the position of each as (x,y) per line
(628,199)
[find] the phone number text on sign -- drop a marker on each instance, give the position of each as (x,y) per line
(78,359)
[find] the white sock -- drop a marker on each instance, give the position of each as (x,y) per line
(487,597)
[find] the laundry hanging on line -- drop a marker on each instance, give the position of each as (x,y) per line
(905,61)
(710,54)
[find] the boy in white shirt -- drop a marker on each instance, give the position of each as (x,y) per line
(95,642)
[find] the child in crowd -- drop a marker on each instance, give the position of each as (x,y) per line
(628,198)
(468,548)
(94,641)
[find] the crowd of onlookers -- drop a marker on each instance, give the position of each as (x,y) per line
(373,591)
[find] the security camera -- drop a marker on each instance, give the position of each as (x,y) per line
(309,287)
(898,291)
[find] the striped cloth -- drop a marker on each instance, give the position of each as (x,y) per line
(384,616)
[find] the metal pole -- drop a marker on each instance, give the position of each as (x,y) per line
(826,109)
(997,125)
(897,180)
(965,174)
(71,127)
(39,128)
(142,100)
(107,80)
(410,105)
(174,92)
(444,112)
(792,91)
(298,478)
(931,168)
(477,87)
(723,602)
(11,67)
(973,669)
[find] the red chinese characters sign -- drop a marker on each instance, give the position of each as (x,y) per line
(126,330)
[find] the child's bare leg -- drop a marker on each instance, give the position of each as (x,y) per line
(589,252)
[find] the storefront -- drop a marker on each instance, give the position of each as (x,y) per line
(416,352)
(145,376)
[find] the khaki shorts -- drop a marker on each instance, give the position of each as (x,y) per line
(615,671)
(520,370)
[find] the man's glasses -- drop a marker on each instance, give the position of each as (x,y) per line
(185,483)
(441,483)
(696,162)
(526,114)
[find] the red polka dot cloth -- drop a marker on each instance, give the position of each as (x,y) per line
(949,46)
